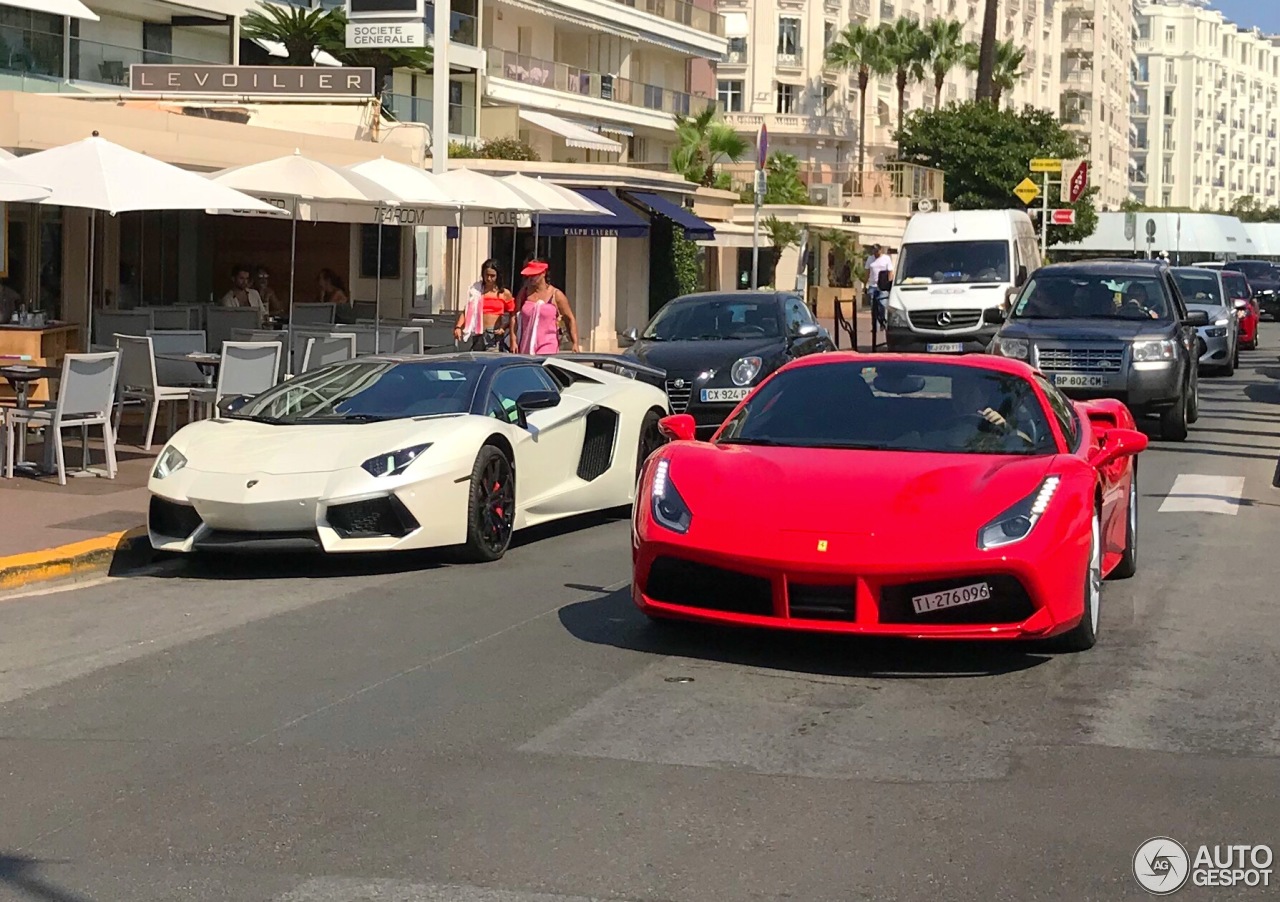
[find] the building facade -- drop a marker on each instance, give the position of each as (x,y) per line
(1206,109)
(1095,41)
(774,73)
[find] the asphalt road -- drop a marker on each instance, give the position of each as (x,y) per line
(516,732)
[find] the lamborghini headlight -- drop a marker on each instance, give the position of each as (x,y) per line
(170,461)
(395,462)
(1016,523)
(669,508)
(745,370)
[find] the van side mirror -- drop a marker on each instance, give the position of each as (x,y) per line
(1022,275)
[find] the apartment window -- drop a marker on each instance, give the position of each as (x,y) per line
(1168,103)
(736,51)
(828,34)
(729,96)
(886,10)
(1167,199)
(788,36)
(1170,34)
(1170,70)
(828,99)
(788,98)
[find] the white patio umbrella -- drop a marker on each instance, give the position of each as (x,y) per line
(300,178)
(554,199)
(95,174)
(5,155)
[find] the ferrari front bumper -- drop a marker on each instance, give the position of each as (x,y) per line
(1031,592)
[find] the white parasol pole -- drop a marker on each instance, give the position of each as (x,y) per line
(93,222)
(293,257)
(377,293)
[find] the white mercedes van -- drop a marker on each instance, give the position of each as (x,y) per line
(953,280)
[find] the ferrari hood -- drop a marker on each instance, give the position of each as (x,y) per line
(879,493)
(243,446)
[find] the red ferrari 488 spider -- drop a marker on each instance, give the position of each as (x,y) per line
(897,495)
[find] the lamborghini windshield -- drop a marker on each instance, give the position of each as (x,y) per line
(895,406)
(364,391)
(1092,296)
(715,318)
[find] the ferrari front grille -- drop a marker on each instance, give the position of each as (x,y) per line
(944,320)
(1009,602)
(694,585)
(597,445)
(820,602)
(168,518)
(1081,360)
(373,517)
(679,391)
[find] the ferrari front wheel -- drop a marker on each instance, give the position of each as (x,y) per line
(1128,565)
(491,512)
(1085,634)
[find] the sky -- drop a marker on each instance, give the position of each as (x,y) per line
(1263,13)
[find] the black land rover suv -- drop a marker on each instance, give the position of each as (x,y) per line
(1111,329)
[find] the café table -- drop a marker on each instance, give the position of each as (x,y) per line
(20,377)
(208,363)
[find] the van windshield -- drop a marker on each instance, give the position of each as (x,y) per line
(954,261)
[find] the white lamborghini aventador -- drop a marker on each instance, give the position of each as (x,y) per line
(389,453)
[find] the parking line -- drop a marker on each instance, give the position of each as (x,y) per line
(1204,495)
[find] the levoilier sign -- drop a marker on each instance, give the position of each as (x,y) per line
(240,80)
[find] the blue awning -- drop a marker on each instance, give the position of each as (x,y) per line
(626,221)
(695,229)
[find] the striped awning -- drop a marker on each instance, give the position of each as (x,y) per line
(574,135)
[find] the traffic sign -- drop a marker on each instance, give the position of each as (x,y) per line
(1062,217)
(1075,179)
(1130,226)
(1046,165)
(1027,191)
(1151,229)
(762,183)
(762,147)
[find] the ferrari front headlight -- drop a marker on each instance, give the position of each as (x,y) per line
(170,461)
(669,508)
(745,370)
(395,462)
(1016,523)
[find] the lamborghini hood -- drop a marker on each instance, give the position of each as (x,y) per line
(244,447)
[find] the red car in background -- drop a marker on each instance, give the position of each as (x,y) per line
(1241,297)
(904,495)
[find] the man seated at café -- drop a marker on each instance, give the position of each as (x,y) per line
(242,293)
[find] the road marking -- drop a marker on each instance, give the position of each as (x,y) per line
(341,889)
(1204,495)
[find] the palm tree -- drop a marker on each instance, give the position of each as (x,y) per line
(904,44)
(944,41)
(987,51)
(703,141)
(1008,69)
(860,48)
(299,30)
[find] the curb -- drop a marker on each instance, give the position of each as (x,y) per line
(103,554)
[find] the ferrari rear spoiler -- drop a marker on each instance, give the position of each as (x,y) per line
(617,363)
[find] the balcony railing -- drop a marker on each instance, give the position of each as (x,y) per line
(793,59)
(904,181)
(462,119)
(734,57)
(681,13)
(529,70)
(789,124)
(859,8)
(109,63)
(31,52)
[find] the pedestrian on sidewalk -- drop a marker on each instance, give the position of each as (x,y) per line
(879,279)
(539,307)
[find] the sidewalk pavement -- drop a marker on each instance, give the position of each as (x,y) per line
(49,531)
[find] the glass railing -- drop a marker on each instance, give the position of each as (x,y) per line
(572,80)
(462,119)
(109,63)
(30,52)
(681,13)
(463,29)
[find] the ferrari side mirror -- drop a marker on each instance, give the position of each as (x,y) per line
(678,427)
(1118,443)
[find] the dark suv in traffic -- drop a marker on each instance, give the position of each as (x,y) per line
(1111,329)
(1264,279)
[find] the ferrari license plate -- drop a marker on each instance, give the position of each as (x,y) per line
(1079,380)
(945,347)
(950,598)
(712,395)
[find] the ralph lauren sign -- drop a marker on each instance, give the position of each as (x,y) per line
(242,80)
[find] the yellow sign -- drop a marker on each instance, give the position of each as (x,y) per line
(1043,165)
(1027,191)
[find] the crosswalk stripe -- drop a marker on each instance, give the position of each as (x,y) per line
(1204,495)
(344,889)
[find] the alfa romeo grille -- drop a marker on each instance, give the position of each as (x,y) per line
(678,393)
(944,320)
(1081,360)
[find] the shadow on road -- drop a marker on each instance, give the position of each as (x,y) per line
(1263,393)
(316,565)
(20,873)
(611,619)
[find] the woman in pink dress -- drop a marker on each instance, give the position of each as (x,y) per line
(538,308)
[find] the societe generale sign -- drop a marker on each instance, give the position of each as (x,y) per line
(246,80)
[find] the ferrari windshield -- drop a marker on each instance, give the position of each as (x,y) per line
(895,406)
(1092,296)
(954,261)
(366,390)
(715,318)
(1199,286)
